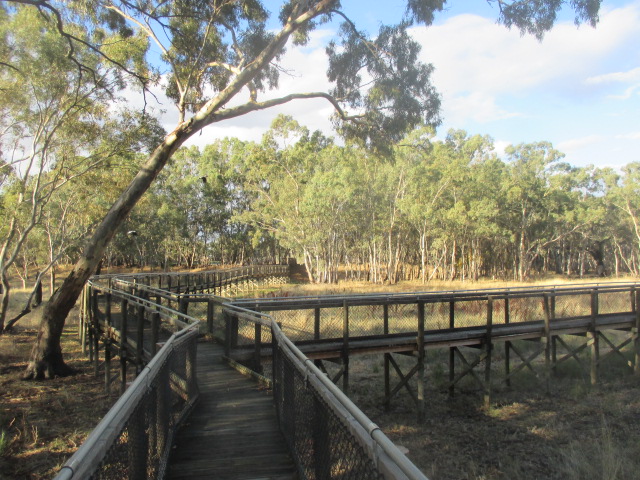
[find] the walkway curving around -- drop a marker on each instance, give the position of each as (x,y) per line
(233,433)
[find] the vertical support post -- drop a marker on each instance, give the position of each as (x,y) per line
(96,344)
(321,442)
(507,344)
(257,351)
(554,346)
(488,345)
(155,332)
(190,369)
(636,333)
(184,305)
(345,348)
(123,345)
(138,446)
(387,359)
(421,353)
(140,339)
(547,337)
(593,338)
(163,400)
(210,315)
(316,330)
(452,350)
(316,323)
(107,366)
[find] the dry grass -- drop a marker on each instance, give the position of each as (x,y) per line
(43,422)
(576,432)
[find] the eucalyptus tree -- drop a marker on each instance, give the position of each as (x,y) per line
(215,51)
(55,125)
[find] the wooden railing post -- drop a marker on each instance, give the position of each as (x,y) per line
(507,344)
(452,350)
(155,332)
(124,306)
(636,307)
(257,350)
(421,354)
(140,339)
(488,351)
(345,347)
(547,336)
(387,359)
(593,337)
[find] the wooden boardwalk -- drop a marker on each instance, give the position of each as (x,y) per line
(232,432)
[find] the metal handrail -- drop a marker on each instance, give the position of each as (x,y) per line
(102,437)
(386,446)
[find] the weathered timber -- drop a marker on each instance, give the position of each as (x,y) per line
(232,432)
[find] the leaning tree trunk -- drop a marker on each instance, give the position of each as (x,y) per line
(46,357)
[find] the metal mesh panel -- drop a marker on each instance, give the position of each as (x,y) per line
(321,442)
(403,318)
(471,313)
(524,309)
(573,305)
(436,315)
(614,302)
(366,320)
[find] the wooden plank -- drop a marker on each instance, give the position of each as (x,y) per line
(233,432)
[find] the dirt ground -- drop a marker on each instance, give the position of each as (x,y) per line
(43,422)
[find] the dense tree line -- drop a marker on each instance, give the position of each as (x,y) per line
(216,61)
(433,208)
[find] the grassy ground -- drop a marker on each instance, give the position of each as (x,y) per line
(43,422)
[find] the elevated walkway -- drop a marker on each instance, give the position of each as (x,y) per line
(233,431)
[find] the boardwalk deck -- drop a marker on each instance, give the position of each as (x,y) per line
(233,432)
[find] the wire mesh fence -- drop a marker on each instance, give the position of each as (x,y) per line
(133,440)
(322,442)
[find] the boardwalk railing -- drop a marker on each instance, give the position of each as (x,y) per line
(328,435)
(134,439)
(131,315)
(337,327)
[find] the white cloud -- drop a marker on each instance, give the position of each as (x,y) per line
(629,136)
(474,54)
(477,106)
(573,144)
(630,76)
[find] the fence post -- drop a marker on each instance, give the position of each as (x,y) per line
(547,336)
(594,340)
(421,353)
(452,350)
(210,315)
(124,307)
(140,339)
(636,306)
(488,351)
(257,352)
(345,347)
(507,344)
(387,359)
(107,366)
(138,446)
(321,446)
(155,332)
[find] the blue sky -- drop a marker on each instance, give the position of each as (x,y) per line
(579,88)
